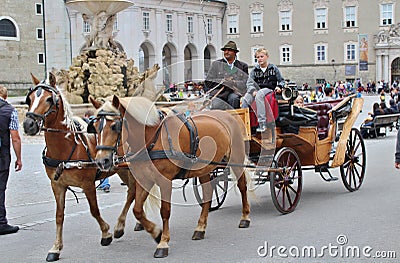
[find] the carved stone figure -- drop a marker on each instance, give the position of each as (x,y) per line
(394,30)
(101,30)
(382,37)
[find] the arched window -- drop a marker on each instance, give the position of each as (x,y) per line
(395,69)
(7,28)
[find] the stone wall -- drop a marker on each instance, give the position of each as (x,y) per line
(16,89)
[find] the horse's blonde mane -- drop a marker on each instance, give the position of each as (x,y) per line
(68,114)
(141,109)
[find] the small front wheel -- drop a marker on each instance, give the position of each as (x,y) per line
(219,183)
(286,185)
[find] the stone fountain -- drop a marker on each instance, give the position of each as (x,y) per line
(103,69)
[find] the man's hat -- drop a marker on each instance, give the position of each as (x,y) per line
(230,45)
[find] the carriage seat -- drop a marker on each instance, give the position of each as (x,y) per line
(291,115)
(322,110)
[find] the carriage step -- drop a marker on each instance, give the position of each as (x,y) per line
(324,169)
(331,178)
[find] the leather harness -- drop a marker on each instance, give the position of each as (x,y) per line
(188,158)
(48,161)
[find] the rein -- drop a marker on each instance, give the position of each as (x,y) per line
(60,165)
(188,158)
(62,131)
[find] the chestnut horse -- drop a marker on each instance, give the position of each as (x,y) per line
(65,144)
(163,148)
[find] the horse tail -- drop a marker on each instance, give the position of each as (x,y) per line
(153,200)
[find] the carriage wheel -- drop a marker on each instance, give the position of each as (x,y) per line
(286,185)
(353,168)
(219,184)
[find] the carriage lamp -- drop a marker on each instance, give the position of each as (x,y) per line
(290,92)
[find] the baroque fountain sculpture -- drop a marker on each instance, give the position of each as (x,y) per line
(103,69)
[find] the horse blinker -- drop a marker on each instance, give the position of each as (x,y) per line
(91,128)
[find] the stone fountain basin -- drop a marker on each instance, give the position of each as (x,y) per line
(93,7)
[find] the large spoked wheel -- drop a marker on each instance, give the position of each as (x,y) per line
(286,185)
(219,184)
(353,168)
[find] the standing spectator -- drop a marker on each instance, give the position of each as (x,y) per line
(394,93)
(382,96)
(397,154)
(385,87)
(369,88)
(313,96)
(342,90)
(264,78)
(8,128)
(328,94)
(104,185)
(393,107)
(373,87)
(88,116)
(231,73)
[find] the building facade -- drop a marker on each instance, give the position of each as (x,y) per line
(182,37)
(320,40)
(309,40)
(22,39)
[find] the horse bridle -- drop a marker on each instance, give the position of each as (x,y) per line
(40,118)
(116,127)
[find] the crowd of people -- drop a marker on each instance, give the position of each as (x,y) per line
(342,89)
(379,108)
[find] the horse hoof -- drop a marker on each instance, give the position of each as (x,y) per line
(52,257)
(161,253)
(244,223)
(198,235)
(158,238)
(106,241)
(118,233)
(138,227)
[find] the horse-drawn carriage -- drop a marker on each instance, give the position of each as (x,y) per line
(161,147)
(172,146)
(308,138)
